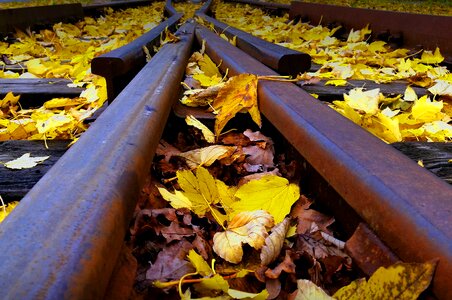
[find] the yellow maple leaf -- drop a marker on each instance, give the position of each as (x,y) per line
(9,100)
(271,193)
(429,57)
(6,209)
(399,281)
(336,82)
(207,155)
(36,67)
(363,101)
(200,193)
(425,110)
(247,227)
(201,266)
(206,132)
(239,92)
(25,162)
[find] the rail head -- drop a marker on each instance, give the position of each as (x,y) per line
(397,198)
(283,60)
(264,5)
(67,232)
(123,59)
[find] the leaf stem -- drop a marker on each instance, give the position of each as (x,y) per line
(181,280)
(191,280)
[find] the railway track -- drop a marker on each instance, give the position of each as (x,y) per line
(65,237)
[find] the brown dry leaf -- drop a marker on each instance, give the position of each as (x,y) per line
(287,265)
(207,155)
(248,227)
(310,220)
(274,243)
(170,263)
(167,150)
(239,92)
(175,232)
(256,156)
(319,249)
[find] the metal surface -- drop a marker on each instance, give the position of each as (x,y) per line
(368,252)
(406,206)
(64,238)
(264,5)
(27,16)
(169,8)
(91,7)
(416,29)
(282,59)
(129,58)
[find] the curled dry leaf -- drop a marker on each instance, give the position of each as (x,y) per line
(274,242)
(208,135)
(287,265)
(166,149)
(249,227)
(207,155)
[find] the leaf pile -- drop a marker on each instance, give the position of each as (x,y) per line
(355,56)
(66,51)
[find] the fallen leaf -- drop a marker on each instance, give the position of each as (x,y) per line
(307,290)
(200,193)
(216,282)
(25,162)
(287,265)
(236,294)
(170,263)
(207,155)
(239,92)
(363,101)
(208,135)
(271,193)
(248,227)
(336,82)
(175,232)
(167,150)
(6,209)
(274,242)
(201,266)
(399,281)
(310,220)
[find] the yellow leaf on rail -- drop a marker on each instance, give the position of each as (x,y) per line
(206,132)
(399,281)
(239,93)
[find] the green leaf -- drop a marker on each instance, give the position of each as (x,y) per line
(201,266)
(399,281)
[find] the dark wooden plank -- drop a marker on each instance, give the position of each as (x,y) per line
(436,157)
(35,91)
(94,7)
(24,17)
(14,184)
(328,92)
(264,5)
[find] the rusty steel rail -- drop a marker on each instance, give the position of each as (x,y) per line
(408,207)
(120,65)
(169,8)
(264,5)
(63,240)
(283,60)
(416,29)
(24,17)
